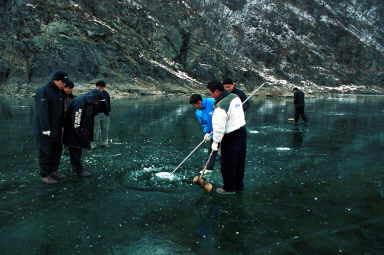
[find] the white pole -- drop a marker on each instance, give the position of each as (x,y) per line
(188,156)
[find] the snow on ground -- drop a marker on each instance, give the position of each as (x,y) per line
(300,13)
(177,73)
(90,17)
(31,5)
(353,11)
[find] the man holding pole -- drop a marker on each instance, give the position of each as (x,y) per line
(204,111)
(228,123)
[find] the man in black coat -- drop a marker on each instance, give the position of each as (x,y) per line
(47,126)
(78,127)
(68,95)
(298,101)
(68,98)
(230,86)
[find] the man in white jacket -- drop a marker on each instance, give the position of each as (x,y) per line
(228,123)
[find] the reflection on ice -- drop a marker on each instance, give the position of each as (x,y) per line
(267,106)
(276,129)
(267,148)
(336,113)
(283,149)
(19,106)
(150,244)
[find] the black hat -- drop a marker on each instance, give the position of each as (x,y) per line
(60,76)
(69,84)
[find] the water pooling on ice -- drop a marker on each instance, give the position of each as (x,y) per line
(155,178)
(163,174)
(166,175)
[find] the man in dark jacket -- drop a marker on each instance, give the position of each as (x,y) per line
(47,126)
(78,127)
(68,95)
(101,126)
(298,101)
(230,86)
(68,98)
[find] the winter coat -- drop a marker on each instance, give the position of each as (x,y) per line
(298,98)
(78,127)
(48,115)
(105,106)
(228,115)
(67,101)
(205,114)
(242,96)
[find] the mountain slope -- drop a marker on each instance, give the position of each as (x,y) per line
(169,46)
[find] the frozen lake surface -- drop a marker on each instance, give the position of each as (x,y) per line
(308,190)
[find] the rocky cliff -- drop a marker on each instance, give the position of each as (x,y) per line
(176,46)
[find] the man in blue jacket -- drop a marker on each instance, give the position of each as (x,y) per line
(47,126)
(78,128)
(204,111)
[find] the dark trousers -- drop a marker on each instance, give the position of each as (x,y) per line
(49,156)
(75,158)
(212,161)
(299,110)
(233,152)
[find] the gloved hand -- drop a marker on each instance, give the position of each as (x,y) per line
(215,146)
(207,137)
(47,133)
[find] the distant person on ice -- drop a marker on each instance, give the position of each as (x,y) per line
(101,125)
(78,128)
(230,86)
(298,101)
(204,112)
(47,126)
(228,122)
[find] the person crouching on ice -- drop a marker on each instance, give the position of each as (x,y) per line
(78,128)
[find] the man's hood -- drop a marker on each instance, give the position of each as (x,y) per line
(94,96)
